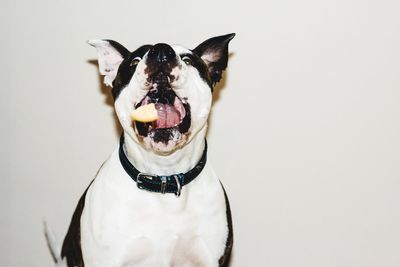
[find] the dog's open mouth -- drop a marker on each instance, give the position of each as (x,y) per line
(173,115)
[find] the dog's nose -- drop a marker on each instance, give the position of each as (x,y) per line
(161,53)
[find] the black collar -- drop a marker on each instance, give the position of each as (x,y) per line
(157,183)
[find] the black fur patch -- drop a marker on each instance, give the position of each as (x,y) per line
(71,248)
(126,70)
(201,67)
(120,48)
(163,135)
(225,258)
(160,61)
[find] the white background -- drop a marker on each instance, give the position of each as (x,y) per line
(304,131)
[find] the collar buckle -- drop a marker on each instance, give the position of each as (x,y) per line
(163,184)
(141,176)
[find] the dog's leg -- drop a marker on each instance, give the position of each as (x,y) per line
(193,252)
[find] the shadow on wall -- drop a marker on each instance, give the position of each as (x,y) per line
(218,89)
(106,91)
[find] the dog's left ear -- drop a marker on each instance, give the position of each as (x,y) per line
(214,53)
(110,55)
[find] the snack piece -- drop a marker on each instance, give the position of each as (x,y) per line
(145,113)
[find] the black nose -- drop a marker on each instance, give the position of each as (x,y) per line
(161,53)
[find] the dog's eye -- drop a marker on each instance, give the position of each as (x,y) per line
(187,60)
(135,61)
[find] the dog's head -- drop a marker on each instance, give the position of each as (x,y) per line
(178,80)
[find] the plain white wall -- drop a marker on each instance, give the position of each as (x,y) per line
(304,133)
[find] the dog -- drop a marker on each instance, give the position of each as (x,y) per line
(156,201)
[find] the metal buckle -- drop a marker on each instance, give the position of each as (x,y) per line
(163,184)
(141,176)
(164,181)
(178,185)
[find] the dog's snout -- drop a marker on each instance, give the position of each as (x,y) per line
(162,53)
(161,59)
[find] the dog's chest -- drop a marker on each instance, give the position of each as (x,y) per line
(122,226)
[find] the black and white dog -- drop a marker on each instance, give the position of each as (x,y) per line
(156,202)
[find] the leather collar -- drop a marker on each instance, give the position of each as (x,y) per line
(158,183)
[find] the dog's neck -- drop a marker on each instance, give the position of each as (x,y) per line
(180,161)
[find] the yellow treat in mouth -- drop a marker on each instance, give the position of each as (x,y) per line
(145,113)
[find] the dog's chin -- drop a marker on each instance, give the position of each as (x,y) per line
(164,141)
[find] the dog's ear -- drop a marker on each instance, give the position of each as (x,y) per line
(110,55)
(214,53)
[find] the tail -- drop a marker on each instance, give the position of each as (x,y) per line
(53,244)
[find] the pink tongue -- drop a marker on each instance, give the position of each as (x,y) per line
(168,116)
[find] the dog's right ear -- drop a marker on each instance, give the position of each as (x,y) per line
(214,52)
(110,55)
